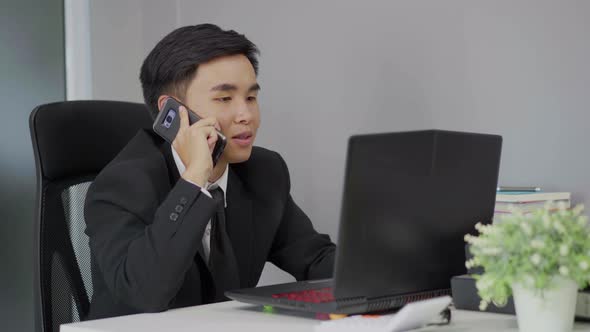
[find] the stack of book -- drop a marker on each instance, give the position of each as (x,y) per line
(527,201)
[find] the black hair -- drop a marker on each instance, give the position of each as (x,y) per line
(173,62)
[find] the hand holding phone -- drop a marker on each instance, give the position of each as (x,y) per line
(198,143)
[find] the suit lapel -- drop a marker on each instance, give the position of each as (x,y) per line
(239,224)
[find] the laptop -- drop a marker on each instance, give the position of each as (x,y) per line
(409,198)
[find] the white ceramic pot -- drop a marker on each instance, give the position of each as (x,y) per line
(551,310)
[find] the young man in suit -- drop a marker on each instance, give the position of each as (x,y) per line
(166,228)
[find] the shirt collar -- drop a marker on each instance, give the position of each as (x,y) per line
(221,182)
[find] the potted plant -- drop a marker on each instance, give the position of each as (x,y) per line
(541,258)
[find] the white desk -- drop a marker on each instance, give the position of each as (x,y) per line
(239,317)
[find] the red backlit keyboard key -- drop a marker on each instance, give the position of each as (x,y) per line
(313,295)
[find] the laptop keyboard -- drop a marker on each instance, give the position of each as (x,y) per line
(321,295)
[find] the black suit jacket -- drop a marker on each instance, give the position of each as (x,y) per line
(145,253)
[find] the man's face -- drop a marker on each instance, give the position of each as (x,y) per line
(226,88)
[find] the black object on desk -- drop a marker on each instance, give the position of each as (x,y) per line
(465,297)
(408,200)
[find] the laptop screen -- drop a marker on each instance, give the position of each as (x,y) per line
(409,199)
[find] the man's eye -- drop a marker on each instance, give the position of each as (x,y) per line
(223,99)
(252,98)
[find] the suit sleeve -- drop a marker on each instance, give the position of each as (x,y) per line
(143,262)
(298,248)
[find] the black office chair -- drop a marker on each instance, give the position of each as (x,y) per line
(72,142)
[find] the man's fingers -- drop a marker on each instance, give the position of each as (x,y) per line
(183,117)
(211,134)
(206,122)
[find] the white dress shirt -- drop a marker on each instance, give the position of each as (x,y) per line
(221,183)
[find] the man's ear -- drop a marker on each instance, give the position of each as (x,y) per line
(162,101)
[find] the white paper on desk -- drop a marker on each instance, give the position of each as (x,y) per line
(411,316)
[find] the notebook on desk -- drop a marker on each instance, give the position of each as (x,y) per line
(409,198)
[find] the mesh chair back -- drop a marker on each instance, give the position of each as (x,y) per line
(72,142)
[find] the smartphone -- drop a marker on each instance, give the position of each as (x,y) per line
(168,122)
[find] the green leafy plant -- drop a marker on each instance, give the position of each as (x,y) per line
(530,249)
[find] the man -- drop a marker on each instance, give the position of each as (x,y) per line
(166,228)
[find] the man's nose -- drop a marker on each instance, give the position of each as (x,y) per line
(244,115)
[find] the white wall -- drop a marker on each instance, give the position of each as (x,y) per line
(330,69)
